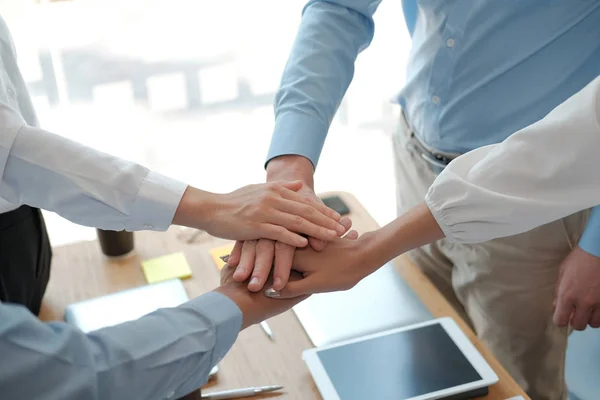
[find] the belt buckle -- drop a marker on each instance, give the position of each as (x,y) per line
(436,161)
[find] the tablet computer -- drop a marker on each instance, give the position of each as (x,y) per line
(429,360)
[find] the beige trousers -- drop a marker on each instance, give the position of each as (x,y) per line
(504,288)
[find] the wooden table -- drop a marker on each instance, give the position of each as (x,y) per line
(80,271)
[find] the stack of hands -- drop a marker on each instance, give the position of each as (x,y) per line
(299,235)
(323,263)
(282,229)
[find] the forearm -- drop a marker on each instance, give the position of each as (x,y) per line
(196,209)
(256,307)
(290,168)
(413,229)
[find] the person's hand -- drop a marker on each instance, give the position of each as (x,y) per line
(273,210)
(344,262)
(254,259)
(254,306)
(340,266)
(577,298)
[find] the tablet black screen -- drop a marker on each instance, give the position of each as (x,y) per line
(398,366)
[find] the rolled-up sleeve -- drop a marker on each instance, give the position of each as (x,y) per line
(88,187)
(544,172)
(166,354)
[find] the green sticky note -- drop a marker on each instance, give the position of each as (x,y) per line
(166,267)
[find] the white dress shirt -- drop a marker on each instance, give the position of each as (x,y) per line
(166,354)
(542,173)
(86,186)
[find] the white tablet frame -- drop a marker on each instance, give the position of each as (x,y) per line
(488,376)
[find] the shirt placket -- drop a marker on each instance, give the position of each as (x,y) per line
(443,66)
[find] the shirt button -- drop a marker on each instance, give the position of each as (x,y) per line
(435,99)
(450,42)
(148,227)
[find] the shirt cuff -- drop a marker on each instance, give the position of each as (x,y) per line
(297,134)
(12,123)
(226,317)
(156,203)
(439,215)
(590,240)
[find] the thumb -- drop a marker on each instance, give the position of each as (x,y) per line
(317,244)
(555,297)
(352,235)
(292,185)
(561,272)
(301,287)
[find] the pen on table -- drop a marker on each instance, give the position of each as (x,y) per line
(267,330)
(239,393)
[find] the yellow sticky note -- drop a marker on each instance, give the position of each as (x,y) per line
(166,267)
(218,252)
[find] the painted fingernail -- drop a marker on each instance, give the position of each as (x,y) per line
(277,282)
(254,281)
(341,228)
(225,258)
(272,293)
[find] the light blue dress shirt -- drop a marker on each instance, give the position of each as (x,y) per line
(478,71)
(164,355)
